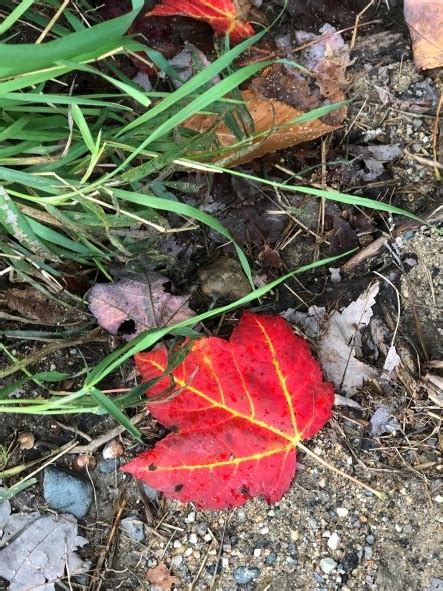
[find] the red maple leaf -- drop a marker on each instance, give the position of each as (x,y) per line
(239,410)
(222,15)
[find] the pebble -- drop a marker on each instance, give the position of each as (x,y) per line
(193,539)
(271,559)
(370,539)
(333,541)
(176,560)
(191,517)
(245,574)
(257,552)
(150,492)
(107,466)
(224,278)
(66,492)
(342,511)
(134,528)
(368,552)
(327,565)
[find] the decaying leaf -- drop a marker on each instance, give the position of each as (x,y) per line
(160,578)
(340,340)
(36,549)
(34,305)
(272,121)
(224,16)
(321,80)
(241,407)
(425,22)
(129,307)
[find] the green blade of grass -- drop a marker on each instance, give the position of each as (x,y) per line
(106,403)
(15,15)
(94,41)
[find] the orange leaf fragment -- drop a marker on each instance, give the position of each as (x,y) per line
(224,16)
(272,121)
(425,22)
(160,578)
(239,410)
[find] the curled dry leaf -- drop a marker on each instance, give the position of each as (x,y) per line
(36,549)
(273,124)
(241,408)
(425,22)
(129,307)
(160,578)
(224,16)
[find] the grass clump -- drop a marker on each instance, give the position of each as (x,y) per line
(76,166)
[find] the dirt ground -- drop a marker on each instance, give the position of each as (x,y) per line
(327,533)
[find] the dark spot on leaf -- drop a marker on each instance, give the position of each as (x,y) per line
(152,467)
(178,487)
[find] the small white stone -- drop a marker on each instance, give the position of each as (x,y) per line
(342,512)
(326,534)
(193,539)
(225,562)
(438,499)
(191,517)
(188,552)
(208,538)
(327,565)
(257,552)
(264,530)
(398,528)
(176,560)
(333,541)
(177,544)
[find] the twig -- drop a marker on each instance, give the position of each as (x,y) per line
(323,462)
(93,445)
(98,580)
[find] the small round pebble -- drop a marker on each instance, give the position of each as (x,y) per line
(333,541)
(342,512)
(245,574)
(134,528)
(327,565)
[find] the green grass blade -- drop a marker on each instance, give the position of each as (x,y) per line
(14,16)
(106,403)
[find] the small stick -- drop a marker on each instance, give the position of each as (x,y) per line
(98,580)
(323,462)
(93,445)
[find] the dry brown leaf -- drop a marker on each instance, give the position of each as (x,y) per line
(270,118)
(34,305)
(160,578)
(425,22)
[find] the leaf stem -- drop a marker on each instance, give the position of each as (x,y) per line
(320,460)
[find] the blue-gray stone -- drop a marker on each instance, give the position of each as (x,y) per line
(66,492)
(151,493)
(107,466)
(271,559)
(245,574)
(134,528)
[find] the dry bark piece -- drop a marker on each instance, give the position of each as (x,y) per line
(272,121)
(425,22)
